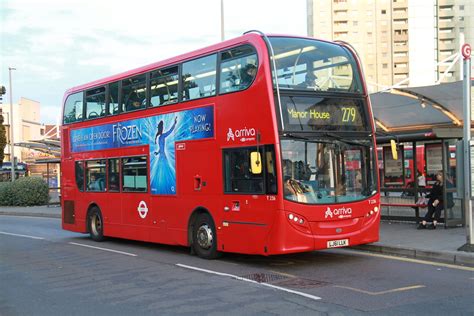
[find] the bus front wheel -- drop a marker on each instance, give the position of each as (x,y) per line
(204,237)
(96,224)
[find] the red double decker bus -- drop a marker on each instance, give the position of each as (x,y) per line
(257,145)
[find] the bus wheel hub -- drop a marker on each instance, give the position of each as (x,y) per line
(204,237)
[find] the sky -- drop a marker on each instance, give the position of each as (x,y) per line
(58,44)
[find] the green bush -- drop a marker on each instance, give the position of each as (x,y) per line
(25,191)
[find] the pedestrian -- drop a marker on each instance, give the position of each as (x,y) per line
(435,203)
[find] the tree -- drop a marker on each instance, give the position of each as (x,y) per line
(3,140)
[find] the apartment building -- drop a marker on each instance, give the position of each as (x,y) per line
(400,42)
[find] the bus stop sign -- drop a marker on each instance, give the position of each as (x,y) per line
(466,51)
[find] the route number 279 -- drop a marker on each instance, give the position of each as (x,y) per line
(348,114)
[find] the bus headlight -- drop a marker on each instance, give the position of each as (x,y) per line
(298,222)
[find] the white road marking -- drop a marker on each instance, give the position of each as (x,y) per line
(251,281)
(393,257)
(19,235)
(105,249)
(381,292)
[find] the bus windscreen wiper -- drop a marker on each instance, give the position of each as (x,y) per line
(290,135)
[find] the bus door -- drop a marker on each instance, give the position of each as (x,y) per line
(136,198)
(249,197)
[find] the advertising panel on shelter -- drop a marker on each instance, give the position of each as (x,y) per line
(160,132)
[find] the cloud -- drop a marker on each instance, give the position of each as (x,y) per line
(57,44)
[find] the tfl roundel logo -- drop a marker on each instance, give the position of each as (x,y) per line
(142,209)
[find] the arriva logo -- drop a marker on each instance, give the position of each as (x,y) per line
(244,134)
(230,135)
(342,212)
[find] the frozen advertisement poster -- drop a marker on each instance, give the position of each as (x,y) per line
(160,132)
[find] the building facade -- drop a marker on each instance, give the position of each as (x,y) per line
(400,42)
(26,126)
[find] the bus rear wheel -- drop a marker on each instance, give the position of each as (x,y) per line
(96,224)
(204,237)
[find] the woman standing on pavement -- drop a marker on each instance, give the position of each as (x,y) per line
(435,203)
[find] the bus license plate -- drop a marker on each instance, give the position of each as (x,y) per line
(338,243)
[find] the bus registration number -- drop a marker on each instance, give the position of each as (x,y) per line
(338,243)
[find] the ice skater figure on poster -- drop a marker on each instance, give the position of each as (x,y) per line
(160,138)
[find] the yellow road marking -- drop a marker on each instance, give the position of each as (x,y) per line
(407,288)
(393,257)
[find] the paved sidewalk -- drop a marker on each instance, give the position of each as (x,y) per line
(396,238)
(53,211)
(440,245)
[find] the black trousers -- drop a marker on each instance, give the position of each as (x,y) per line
(436,210)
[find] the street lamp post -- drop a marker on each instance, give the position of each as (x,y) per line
(222,21)
(12,153)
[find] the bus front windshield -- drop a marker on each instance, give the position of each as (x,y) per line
(320,172)
(312,65)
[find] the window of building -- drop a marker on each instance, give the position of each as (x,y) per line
(79,173)
(134,93)
(134,174)
(238,68)
(383,11)
(73,108)
(239,177)
(113,98)
(355,23)
(199,78)
(461,7)
(384,66)
(164,86)
(95,175)
(95,103)
(113,175)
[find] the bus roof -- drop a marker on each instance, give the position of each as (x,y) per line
(167,62)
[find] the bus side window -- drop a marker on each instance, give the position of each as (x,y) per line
(95,103)
(134,174)
(95,175)
(238,175)
(79,171)
(199,78)
(134,93)
(164,86)
(238,69)
(113,175)
(73,108)
(113,101)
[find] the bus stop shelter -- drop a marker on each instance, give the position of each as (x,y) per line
(427,123)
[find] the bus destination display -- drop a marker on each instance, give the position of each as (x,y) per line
(308,113)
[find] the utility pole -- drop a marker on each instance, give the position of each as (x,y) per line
(12,147)
(467,150)
(222,21)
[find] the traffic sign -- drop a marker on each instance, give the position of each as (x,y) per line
(466,51)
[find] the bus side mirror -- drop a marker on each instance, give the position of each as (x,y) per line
(255,162)
(393,145)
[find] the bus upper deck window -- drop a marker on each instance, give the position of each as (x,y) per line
(199,78)
(73,108)
(238,68)
(134,93)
